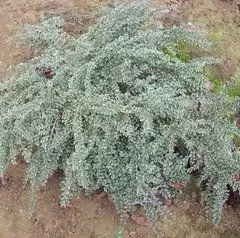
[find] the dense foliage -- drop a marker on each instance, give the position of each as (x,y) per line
(118,109)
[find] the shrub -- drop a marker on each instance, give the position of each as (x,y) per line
(115,110)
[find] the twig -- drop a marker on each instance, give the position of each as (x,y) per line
(53,128)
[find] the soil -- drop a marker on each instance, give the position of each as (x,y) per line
(96,216)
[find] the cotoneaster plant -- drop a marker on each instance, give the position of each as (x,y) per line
(114,110)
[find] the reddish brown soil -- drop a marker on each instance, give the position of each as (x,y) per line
(96,217)
(89,218)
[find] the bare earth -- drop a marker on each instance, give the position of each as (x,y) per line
(96,217)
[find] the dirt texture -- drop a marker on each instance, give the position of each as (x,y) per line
(96,217)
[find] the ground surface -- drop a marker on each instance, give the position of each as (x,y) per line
(89,218)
